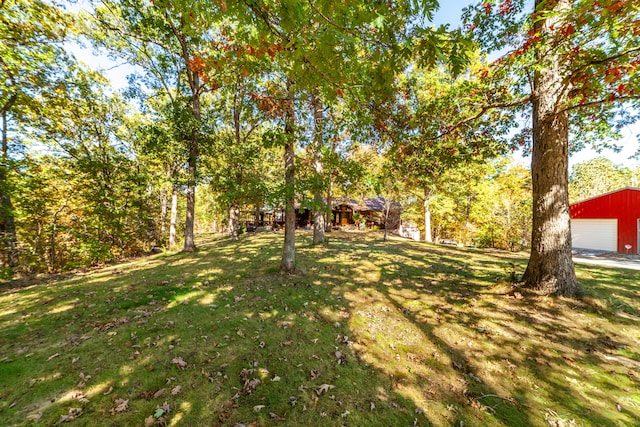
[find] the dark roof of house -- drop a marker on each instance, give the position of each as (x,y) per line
(368,204)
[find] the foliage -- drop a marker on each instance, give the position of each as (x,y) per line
(597,42)
(595,177)
(85,202)
(502,211)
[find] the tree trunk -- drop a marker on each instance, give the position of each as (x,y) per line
(328,213)
(234,220)
(288,264)
(427,215)
(320,207)
(174,216)
(189,242)
(550,269)
(8,234)
(164,207)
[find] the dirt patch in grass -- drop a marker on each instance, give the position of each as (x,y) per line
(367,333)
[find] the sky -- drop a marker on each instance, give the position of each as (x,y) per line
(448,13)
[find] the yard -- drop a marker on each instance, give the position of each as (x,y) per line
(367,333)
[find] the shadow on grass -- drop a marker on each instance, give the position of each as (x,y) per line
(369,333)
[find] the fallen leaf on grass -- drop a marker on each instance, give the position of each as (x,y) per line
(108,392)
(315,374)
(81,397)
(258,408)
(149,421)
(179,362)
(121,406)
(53,356)
(71,415)
(162,410)
(177,389)
(324,388)
(250,385)
(276,417)
(159,393)
(34,417)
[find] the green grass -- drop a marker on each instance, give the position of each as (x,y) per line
(368,333)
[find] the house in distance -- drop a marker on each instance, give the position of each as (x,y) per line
(608,222)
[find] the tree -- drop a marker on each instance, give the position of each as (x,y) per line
(157,138)
(320,208)
(32,61)
(595,177)
(94,203)
(167,43)
(423,144)
(502,209)
(576,65)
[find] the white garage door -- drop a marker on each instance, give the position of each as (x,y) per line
(601,234)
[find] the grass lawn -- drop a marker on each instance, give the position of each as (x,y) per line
(369,333)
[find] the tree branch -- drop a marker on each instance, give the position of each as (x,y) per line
(598,102)
(483,110)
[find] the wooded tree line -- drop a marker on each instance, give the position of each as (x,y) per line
(271,102)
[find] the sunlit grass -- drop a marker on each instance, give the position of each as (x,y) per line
(367,333)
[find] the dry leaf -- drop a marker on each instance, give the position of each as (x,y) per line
(251,385)
(177,389)
(179,362)
(53,356)
(315,374)
(81,397)
(108,392)
(159,393)
(34,417)
(71,415)
(324,388)
(258,408)
(149,421)
(121,406)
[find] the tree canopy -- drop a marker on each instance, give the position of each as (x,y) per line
(272,108)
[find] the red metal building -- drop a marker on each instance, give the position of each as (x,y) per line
(607,222)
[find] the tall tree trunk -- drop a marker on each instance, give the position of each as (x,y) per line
(189,242)
(320,207)
(193,144)
(234,220)
(174,216)
(550,269)
(328,222)
(288,263)
(427,215)
(328,212)
(164,207)
(8,234)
